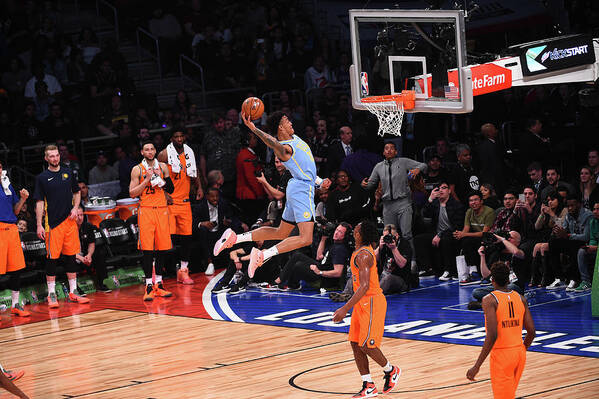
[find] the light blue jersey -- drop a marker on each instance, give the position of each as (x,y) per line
(301,164)
(300,189)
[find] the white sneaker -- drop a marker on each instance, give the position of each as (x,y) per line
(445,276)
(572,286)
(556,285)
(209,270)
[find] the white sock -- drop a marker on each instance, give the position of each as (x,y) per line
(15,298)
(367,378)
(158,279)
(72,285)
(270,252)
(51,287)
(388,367)
(149,281)
(244,237)
(184,265)
(473,269)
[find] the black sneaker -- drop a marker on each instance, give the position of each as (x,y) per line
(220,288)
(474,305)
(485,282)
(103,288)
(236,289)
(80,292)
(430,273)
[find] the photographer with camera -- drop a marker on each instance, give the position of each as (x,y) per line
(392,256)
(500,247)
(437,250)
(249,192)
(274,185)
(332,256)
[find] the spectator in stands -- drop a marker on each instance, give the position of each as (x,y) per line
(437,250)
(43,100)
(465,177)
(57,126)
(250,194)
(22,225)
(69,160)
(55,65)
(339,149)
(535,172)
(212,216)
(490,157)
(119,154)
(509,218)
(567,240)
(218,151)
(554,183)
(102,172)
(158,141)
(332,257)
(360,163)
(215,179)
(552,213)
(435,173)
(275,188)
(112,117)
(588,253)
(104,82)
(318,76)
(92,256)
(593,162)
(125,166)
(84,190)
(76,67)
(393,257)
(348,202)
(53,86)
(532,145)
(507,252)
(394,173)
(320,146)
(168,31)
(442,149)
(27,128)
(479,219)
(88,43)
(15,78)
(529,211)
(490,196)
(587,187)
(142,120)
(180,109)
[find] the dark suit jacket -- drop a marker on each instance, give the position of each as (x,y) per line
(490,158)
(201,213)
(455,213)
(335,157)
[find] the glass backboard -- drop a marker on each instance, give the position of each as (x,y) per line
(420,50)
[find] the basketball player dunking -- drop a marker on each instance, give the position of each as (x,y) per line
(149,181)
(368,315)
(180,159)
(299,208)
(506,312)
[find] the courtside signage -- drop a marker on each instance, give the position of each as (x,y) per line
(557,54)
(486,78)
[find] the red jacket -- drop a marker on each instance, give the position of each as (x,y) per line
(248,187)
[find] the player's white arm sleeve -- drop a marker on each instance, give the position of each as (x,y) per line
(318,181)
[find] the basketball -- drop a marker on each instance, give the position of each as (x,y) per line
(253,107)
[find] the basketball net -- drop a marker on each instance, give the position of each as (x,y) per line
(389,110)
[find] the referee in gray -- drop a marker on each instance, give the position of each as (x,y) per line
(393,173)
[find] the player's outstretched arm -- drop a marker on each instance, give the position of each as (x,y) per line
(490,308)
(283,152)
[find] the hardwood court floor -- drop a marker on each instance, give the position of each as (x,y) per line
(130,354)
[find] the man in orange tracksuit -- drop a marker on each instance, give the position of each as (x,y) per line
(506,312)
(368,314)
(150,181)
(180,160)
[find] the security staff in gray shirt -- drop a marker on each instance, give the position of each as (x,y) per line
(393,174)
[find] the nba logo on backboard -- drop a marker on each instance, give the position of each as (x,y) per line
(364,83)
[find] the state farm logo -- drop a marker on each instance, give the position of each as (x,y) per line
(486,78)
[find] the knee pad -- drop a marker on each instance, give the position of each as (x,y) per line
(51,267)
(71,265)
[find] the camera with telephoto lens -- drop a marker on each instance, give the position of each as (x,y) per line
(324,227)
(489,241)
(388,239)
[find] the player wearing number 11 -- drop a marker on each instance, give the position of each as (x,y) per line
(506,312)
(299,208)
